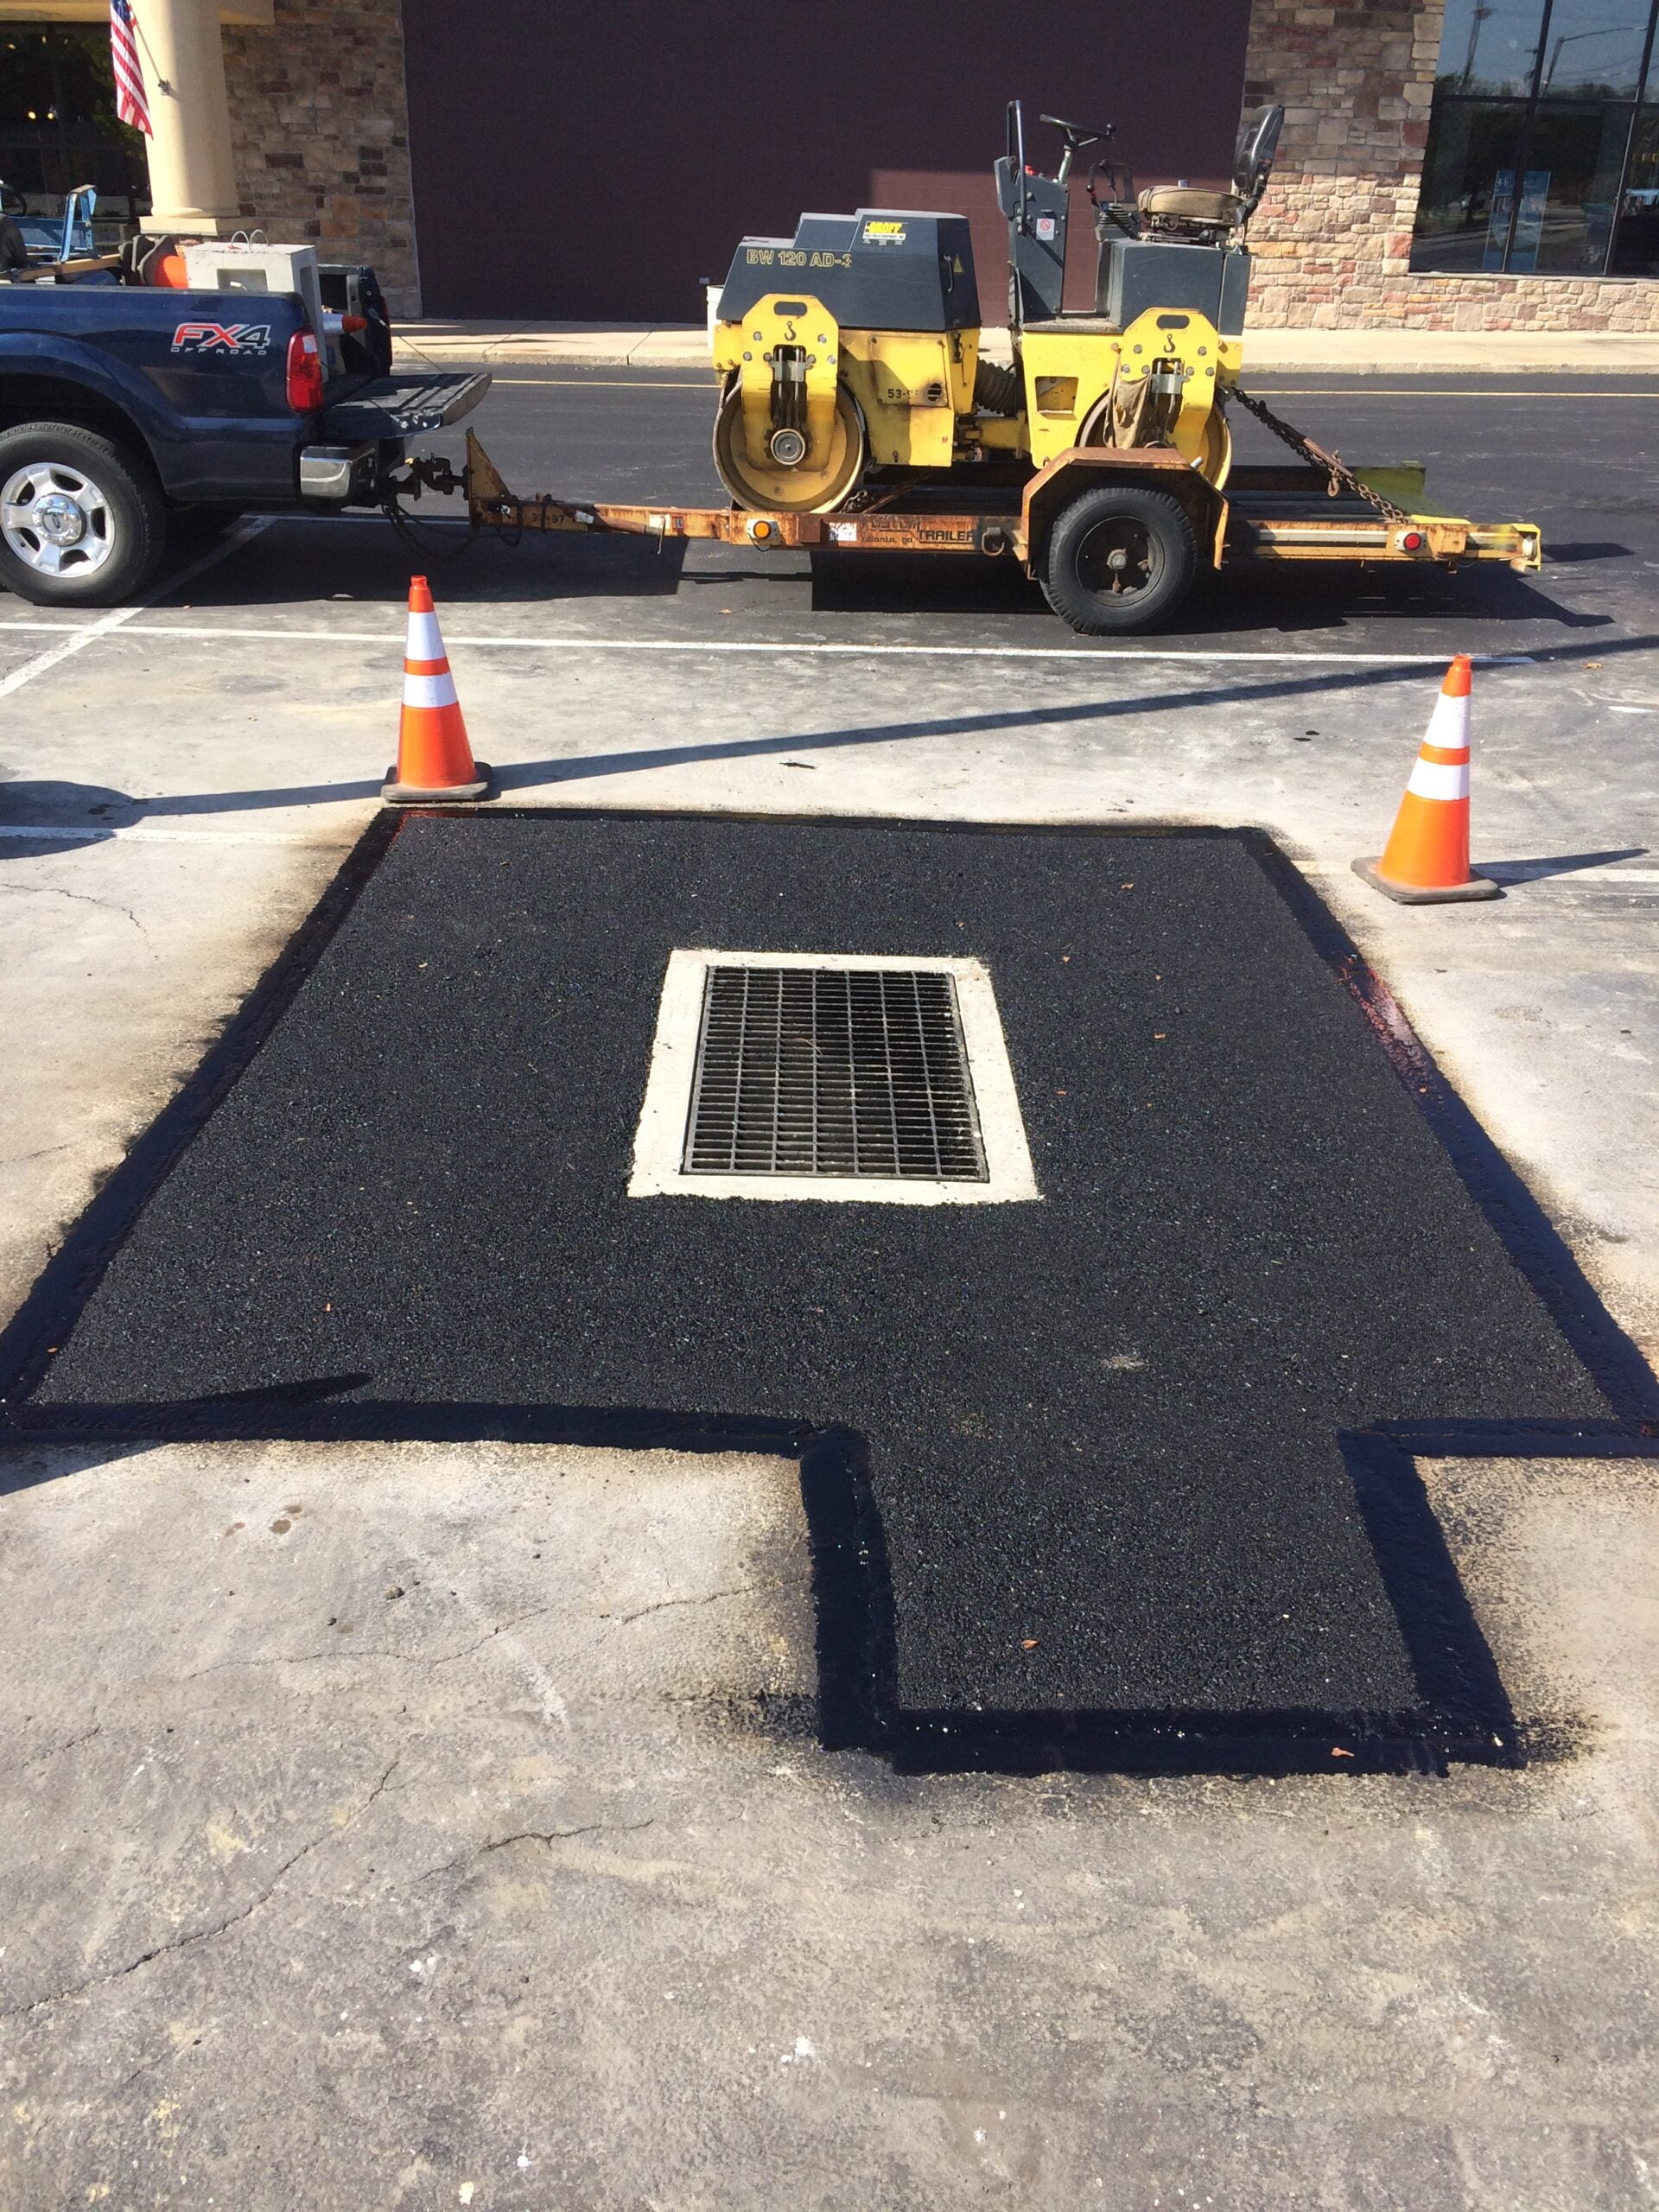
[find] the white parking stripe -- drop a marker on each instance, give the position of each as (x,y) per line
(141,833)
(89,633)
(78,639)
(1085,656)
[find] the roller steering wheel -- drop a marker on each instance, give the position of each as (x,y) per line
(1078,136)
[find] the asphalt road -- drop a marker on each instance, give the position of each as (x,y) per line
(1578,455)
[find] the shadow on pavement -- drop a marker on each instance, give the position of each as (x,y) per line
(359,561)
(1557,864)
(22,802)
(94,812)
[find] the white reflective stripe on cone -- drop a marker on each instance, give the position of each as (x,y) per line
(1448,726)
(425,638)
(1439,780)
(429,690)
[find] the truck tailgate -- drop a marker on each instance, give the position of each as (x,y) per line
(404,404)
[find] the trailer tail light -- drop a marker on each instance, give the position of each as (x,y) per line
(305,392)
(1411,541)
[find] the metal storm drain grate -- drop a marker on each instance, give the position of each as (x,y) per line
(832,1071)
(857,1075)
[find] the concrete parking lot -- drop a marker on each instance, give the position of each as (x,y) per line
(422,1823)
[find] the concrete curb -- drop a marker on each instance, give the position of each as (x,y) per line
(1319,352)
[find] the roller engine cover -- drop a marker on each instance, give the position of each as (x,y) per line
(883,269)
(1136,274)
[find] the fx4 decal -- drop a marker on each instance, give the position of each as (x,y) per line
(222,338)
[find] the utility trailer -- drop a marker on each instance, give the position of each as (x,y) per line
(1131,529)
(858,406)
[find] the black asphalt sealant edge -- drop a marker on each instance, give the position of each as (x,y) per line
(53,1305)
(1465,1715)
(1530,1239)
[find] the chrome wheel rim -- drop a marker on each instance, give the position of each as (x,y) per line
(56,520)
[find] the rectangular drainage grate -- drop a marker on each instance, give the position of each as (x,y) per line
(833,1071)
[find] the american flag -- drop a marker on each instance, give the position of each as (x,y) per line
(130,101)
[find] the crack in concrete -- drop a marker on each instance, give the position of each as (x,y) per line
(206,1934)
(501,1629)
(81,898)
(365,1652)
(561,1835)
(549,1836)
(55,1750)
(707,1597)
(40,1151)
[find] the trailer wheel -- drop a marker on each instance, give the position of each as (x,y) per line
(1121,557)
(82,522)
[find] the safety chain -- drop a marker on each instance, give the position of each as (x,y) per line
(416,532)
(1335,468)
(867,502)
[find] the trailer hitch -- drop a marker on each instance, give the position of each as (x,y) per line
(437,473)
(432,471)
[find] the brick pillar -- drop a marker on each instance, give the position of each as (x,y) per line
(320,128)
(1333,236)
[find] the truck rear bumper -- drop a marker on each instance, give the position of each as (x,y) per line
(336,472)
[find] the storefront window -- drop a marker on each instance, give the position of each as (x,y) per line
(1474,148)
(1543,152)
(58,126)
(1592,49)
(1491,48)
(1636,251)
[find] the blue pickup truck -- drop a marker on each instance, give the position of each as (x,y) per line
(129,411)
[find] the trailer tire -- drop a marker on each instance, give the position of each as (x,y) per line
(1119,557)
(82,519)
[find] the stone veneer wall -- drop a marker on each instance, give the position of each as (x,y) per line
(320,126)
(1333,236)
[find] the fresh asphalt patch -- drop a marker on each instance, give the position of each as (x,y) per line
(1118,1477)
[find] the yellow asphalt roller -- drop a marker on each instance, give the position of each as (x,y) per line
(858,411)
(849,361)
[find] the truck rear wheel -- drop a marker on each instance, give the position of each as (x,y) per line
(1119,558)
(82,523)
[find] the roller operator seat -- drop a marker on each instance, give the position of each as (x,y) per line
(1185,203)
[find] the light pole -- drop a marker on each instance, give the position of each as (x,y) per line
(1476,17)
(1570,38)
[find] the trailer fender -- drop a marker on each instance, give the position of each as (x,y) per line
(1080,467)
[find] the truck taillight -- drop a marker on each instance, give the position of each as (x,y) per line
(304,372)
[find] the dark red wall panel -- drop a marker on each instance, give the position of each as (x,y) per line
(594,161)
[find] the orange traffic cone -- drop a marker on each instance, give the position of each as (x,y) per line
(435,761)
(1427,857)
